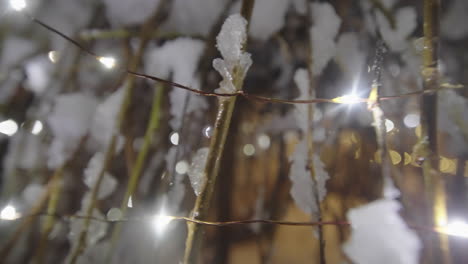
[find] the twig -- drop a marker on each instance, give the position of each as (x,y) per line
(215,152)
(435,187)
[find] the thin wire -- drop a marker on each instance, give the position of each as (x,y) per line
(214,94)
(212,223)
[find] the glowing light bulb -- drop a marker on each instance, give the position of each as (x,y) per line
(456,228)
(9,213)
(8,127)
(108,62)
(348,99)
(18,5)
(161,221)
(37,127)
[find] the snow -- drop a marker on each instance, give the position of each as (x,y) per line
(178,57)
(380,235)
(268,17)
(303,186)
(349,55)
(105,119)
(453,120)
(69,122)
(38,71)
(230,43)
(123,12)
(14,49)
(32,193)
(396,39)
(301,79)
(326,24)
(91,174)
(194,16)
(452,25)
(196,170)
(96,230)
(232,38)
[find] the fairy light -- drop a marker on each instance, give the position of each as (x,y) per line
(9,213)
(161,221)
(108,62)
(18,5)
(8,127)
(455,228)
(348,99)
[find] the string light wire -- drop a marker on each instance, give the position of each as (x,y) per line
(337,100)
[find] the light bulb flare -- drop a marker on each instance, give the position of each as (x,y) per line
(18,5)
(108,62)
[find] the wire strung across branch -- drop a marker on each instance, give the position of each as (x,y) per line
(214,94)
(213,223)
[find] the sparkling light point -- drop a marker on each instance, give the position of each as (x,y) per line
(455,228)
(348,99)
(389,125)
(8,127)
(53,56)
(161,221)
(18,5)
(37,127)
(174,138)
(108,62)
(249,150)
(9,213)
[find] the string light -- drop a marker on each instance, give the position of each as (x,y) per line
(348,99)
(161,221)
(18,5)
(455,228)
(8,127)
(108,62)
(9,213)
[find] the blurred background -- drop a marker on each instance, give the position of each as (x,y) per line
(80,136)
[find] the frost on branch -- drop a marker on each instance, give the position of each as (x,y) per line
(91,173)
(69,122)
(230,43)
(380,235)
(303,186)
(195,172)
(326,24)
